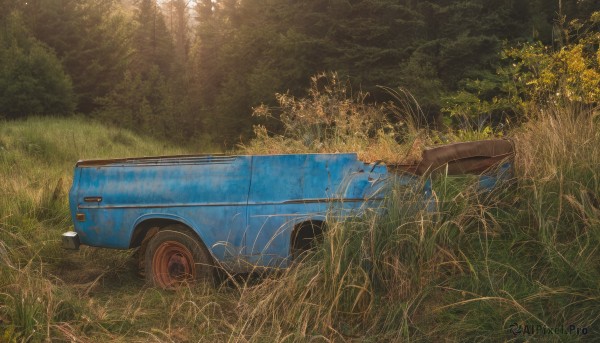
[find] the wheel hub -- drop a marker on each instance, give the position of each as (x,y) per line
(172,264)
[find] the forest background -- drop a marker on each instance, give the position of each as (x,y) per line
(383,78)
(194,72)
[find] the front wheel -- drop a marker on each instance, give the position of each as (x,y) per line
(174,256)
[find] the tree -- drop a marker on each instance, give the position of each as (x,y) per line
(32,81)
(91,38)
(178,23)
(559,67)
(152,41)
(153,95)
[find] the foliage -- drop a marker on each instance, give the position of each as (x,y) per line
(91,38)
(444,52)
(536,75)
(332,119)
(425,47)
(524,254)
(237,55)
(32,80)
(571,73)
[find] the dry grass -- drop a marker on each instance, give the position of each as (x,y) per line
(334,120)
(525,254)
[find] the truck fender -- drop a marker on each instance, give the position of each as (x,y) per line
(169,217)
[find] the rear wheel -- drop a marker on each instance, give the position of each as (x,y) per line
(174,256)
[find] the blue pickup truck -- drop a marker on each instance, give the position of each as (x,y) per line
(190,214)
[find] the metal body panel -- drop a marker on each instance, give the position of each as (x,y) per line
(244,208)
(208,195)
(290,189)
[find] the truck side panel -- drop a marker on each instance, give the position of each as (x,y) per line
(290,189)
(244,208)
(211,195)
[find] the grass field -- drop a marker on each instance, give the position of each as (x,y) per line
(521,263)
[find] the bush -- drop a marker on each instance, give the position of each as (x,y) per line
(332,119)
(32,80)
(535,76)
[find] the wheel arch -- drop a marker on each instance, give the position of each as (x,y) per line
(146,222)
(306,231)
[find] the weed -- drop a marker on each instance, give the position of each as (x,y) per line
(482,266)
(333,119)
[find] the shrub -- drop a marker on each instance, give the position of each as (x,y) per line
(32,80)
(333,119)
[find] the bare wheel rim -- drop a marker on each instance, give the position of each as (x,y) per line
(172,264)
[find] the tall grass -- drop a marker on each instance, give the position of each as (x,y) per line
(518,263)
(512,264)
(46,292)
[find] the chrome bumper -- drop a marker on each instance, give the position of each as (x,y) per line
(70,240)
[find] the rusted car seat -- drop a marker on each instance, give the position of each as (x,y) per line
(464,158)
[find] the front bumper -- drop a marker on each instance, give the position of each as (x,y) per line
(70,240)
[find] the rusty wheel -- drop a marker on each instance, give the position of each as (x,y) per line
(175,257)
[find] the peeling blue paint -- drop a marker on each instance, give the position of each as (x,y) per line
(244,208)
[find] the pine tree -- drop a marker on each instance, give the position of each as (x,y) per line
(152,41)
(32,80)
(91,39)
(178,23)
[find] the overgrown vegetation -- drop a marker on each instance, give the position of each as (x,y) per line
(332,119)
(193,70)
(32,79)
(517,263)
(523,254)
